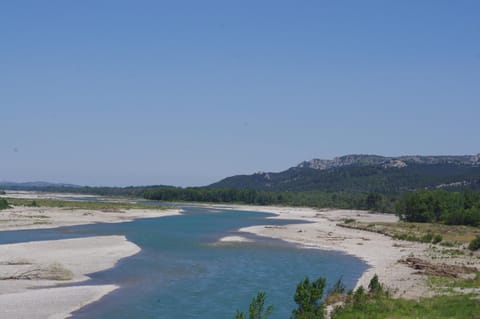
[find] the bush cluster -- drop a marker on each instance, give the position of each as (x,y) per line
(3,203)
(474,244)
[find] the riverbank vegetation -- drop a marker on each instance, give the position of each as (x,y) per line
(440,206)
(382,306)
(67,204)
(375,302)
(307,297)
(370,201)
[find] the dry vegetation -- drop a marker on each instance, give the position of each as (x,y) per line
(422,232)
(55,271)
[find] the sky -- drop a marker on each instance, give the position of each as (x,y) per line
(117,93)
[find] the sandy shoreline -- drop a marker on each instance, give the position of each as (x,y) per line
(31,272)
(21,217)
(54,262)
(380,252)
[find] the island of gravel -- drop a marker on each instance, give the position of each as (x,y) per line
(44,265)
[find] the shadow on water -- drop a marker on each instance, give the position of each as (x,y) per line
(181,272)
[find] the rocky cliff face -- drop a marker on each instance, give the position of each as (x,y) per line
(367,173)
(389,162)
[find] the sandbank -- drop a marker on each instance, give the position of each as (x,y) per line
(380,252)
(30,273)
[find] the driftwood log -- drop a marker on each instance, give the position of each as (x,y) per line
(445,270)
(54,271)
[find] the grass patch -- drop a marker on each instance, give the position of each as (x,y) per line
(77,204)
(378,303)
(440,307)
(451,252)
(448,244)
(447,235)
(41,223)
(448,282)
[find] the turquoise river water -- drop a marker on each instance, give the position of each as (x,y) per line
(182,272)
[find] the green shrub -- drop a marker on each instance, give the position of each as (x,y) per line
(3,203)
(426,238)
(437,238)
(33,204)
(374,287)
(474,244)
(308,298)
(359,297)
(448,244)
(410,237)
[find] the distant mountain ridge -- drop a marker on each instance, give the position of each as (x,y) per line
(367,173)
(39,184)
(398,162)
(354,173)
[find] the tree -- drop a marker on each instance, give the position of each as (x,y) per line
(451,208)
(308,299)
(474,244)
(257,309)
(3,203)
(239,315)
(373,201)
(359,298)
(374,287)
(338,287)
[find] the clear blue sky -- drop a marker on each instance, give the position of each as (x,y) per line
(188,92)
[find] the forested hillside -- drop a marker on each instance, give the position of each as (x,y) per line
(366,173)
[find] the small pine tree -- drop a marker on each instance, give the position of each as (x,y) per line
(257,309)
(3,203)
(359,297)
(338,287)
(374,287)
(308,299)
(239,315)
